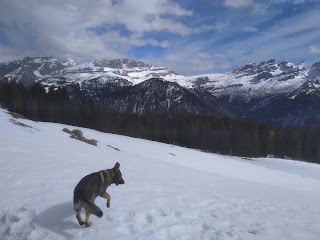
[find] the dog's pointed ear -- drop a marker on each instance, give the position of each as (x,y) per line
(117,166)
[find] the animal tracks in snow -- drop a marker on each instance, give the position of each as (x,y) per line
(214,218)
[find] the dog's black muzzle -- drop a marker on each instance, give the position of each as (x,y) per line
(120,181)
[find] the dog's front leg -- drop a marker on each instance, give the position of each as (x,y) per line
(106,196)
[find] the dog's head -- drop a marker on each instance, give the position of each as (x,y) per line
(117,177)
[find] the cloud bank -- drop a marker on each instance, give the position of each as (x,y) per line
(189,36)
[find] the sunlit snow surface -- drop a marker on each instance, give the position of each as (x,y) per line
(170,192)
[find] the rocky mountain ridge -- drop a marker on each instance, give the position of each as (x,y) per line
(282,93)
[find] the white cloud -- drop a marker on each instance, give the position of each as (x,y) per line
(257,8)
(260,9)
(190,58)
(203,28)
(289,39)
(60,28)
(314,49)
(8,54)
(296,2)
(143,16)
(220,24)
(250,29)
(237,3)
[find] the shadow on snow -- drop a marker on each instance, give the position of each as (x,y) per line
(54,219)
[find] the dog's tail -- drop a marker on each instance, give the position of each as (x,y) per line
(91,207)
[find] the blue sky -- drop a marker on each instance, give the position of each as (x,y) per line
(188,36)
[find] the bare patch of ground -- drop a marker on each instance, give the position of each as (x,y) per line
(117,149)
(21,124)
(17,115)
(77,134)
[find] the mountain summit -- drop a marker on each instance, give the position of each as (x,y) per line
(69,62)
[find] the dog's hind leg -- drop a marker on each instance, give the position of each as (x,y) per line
(78,207)
(78,215)
(106,196)
(87,223)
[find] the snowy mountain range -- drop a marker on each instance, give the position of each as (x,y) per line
(282,93)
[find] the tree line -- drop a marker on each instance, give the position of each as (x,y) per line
(207,133)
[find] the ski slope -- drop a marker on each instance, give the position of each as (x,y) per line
(170,192)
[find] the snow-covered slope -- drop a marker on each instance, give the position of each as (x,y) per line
(170,192)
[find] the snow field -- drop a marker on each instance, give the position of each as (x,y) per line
(170,192)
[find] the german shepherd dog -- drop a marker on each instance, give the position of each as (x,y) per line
(92,186)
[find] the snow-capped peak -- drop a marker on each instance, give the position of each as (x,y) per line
(69,62)
(314,73)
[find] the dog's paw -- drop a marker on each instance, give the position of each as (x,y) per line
(88,224)
(108,205)
(81,223)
